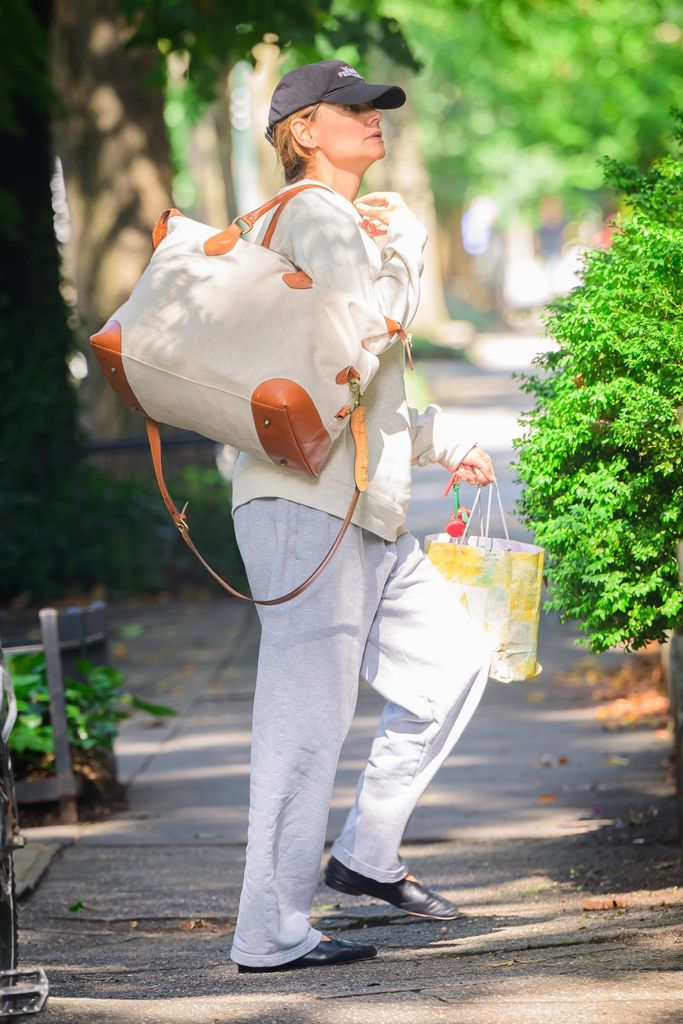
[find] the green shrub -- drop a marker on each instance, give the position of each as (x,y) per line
(95,706)
(602,457)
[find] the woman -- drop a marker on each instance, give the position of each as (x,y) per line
(380,610)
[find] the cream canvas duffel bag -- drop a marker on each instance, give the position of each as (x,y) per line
(232,341)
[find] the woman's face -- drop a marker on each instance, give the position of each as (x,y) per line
(349,136)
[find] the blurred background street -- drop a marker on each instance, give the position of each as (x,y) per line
(540,147)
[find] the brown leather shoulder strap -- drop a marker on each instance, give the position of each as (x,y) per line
(268,237)
(180,520)
(280,200)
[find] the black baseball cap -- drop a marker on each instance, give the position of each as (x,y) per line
(328,81)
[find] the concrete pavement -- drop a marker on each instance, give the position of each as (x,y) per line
(537,810)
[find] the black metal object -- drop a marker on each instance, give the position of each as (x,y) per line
(66,636)
(126,458)
(22,990)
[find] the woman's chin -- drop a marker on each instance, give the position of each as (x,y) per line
(375,149)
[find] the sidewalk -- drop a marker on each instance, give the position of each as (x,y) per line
(160,881)
(537,810)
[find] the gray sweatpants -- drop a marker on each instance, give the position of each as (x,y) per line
(381,612)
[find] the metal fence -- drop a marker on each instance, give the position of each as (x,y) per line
(127,458)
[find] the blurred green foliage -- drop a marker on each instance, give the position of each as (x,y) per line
(217,33)
(602,458)
(521,98)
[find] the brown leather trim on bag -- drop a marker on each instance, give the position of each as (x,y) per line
(106,345)
(297,279)
(347,374)
(394,327)
(160,229)
(180,520)
(289,426)
(219,244)
(361,462)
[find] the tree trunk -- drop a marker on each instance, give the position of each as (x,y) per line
(114,150)
(223,127)
(262,85)
(38,408)
(403,170)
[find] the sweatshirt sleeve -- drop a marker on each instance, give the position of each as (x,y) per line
(436,438)
(326,242)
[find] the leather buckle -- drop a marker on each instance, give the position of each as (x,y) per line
(239,221)
(181,522)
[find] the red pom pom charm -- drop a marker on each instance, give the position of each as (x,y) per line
(457,524)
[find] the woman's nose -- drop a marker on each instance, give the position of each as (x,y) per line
(375,117)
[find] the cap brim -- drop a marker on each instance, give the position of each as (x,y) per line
(385,97)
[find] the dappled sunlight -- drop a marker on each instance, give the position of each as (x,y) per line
(107,108)
(507,351)
(194,773)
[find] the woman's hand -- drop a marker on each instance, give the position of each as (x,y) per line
(378,210)
(476,468)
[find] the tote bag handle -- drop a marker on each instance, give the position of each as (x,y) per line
(485,526)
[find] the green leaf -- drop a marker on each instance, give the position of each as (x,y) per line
(159,710)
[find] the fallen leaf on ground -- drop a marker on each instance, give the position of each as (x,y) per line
(563,760)
(130,631)
(650,706)
(546,798)
(535,698)
(604,904)
(615,761)
(639,815)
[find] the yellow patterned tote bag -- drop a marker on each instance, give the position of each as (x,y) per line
(499,582)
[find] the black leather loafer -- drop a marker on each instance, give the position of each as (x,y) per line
(407,895)
(325,954)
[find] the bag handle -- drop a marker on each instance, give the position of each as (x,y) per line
(485,528)
(225,240)
(180,519)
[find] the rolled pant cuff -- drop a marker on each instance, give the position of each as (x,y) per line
(276,959)
(369,870)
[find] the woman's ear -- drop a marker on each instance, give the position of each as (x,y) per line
(300,127)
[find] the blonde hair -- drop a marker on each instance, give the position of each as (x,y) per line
(291,155)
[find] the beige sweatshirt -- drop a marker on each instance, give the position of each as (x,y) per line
(319,232)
